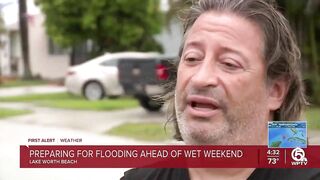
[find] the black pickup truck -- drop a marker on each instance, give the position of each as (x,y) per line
(143,77)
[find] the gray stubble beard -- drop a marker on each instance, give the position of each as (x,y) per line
(236,129)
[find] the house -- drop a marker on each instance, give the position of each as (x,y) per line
(47,60)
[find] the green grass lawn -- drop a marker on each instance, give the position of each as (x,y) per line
(313,118)
(68,101)
(143,131)
(18,83)
(5,112)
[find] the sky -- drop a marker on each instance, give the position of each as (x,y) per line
(10,11)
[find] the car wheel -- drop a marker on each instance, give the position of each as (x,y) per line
(149,104)
(93,91)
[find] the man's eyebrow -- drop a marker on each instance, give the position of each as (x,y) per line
(232,50)
(193,43)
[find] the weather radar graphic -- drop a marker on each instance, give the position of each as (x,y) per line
(287,134)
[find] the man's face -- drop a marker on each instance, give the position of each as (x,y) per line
(221,93)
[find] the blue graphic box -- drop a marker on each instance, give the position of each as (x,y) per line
(287,134)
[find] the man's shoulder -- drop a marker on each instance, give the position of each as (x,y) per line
(277,174)
(155,174)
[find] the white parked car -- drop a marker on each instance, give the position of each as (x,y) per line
(98,77)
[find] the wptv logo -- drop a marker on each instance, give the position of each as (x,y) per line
(299,157)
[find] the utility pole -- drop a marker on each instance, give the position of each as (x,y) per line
(23,21)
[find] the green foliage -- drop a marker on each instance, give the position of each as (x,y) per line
(313,118)
(304,17)
(5,112)
(117,25)
(68,101)
(150,131)
(21,82)
(63,20)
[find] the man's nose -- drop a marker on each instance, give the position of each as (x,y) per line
(207,74)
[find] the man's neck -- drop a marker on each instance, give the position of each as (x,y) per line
(220,173)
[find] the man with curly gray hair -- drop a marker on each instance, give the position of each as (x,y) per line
(239,67)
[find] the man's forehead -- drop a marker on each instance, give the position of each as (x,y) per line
(235,24)
(232,27)
(213,18)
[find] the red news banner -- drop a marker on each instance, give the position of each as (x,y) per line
(168,157)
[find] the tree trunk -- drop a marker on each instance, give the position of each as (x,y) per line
(315,60)
(23,21)
(73,56)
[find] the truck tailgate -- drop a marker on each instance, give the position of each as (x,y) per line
(137,76)
(140,71)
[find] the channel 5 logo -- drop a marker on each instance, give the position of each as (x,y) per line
(298,155)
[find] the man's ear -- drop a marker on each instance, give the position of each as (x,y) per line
(278,89)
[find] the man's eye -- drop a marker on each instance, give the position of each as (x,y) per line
(191,59)
(231,66)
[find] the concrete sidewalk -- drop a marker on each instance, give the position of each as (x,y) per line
(40,89)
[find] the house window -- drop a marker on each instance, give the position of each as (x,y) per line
(54,49)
